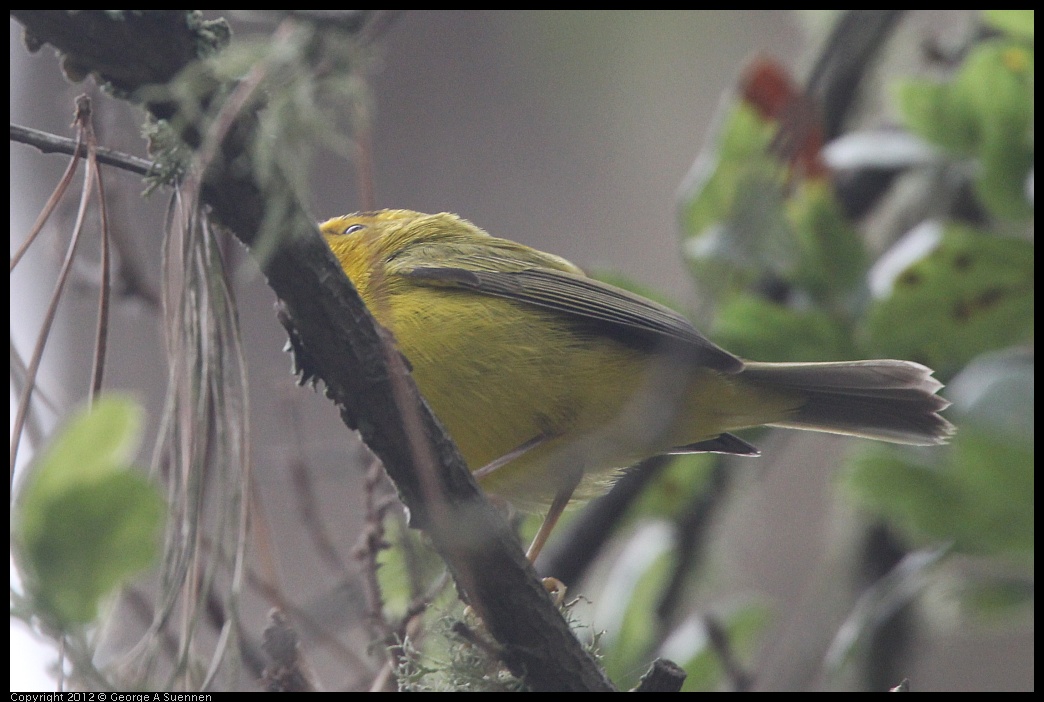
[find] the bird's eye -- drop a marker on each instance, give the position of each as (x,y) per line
(354,228)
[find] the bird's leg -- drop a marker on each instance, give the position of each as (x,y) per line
(511,455)
(555,587)
(558,506)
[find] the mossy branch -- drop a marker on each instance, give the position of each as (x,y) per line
(138,54)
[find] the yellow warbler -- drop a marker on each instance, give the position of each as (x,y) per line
(550,382)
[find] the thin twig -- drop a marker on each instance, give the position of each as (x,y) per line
(48,319)
(48,208)
(742,680)
(53,144)
(693,528)
(102,334)
(373,543)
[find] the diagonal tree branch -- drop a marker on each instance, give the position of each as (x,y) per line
(335,336)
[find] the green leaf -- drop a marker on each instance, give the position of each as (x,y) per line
(986,111)
(92,445)
(972,293)
(999,598)
(634,589)
(85,521)
(1018,23)
(981,499)
(832,258)
(996,84)
(740,151)
(929,110)
(627,603)
(979,492)
(683,480)
(405,567)
(732,210)
(917,497)
(759,329)
(994,470)
(1002,182)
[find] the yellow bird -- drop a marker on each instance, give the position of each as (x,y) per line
(550,382)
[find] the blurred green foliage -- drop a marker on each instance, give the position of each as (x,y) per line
(790,278)
(986,113)
(972,293)
(85,520)
(789,275)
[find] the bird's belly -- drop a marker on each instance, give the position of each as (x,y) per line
(507,377)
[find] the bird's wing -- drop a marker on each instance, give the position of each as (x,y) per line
(563,289)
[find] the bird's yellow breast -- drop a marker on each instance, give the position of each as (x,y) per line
(494,400)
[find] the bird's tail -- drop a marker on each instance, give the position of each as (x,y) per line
(888,400)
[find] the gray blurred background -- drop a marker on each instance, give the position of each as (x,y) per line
(566,131)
